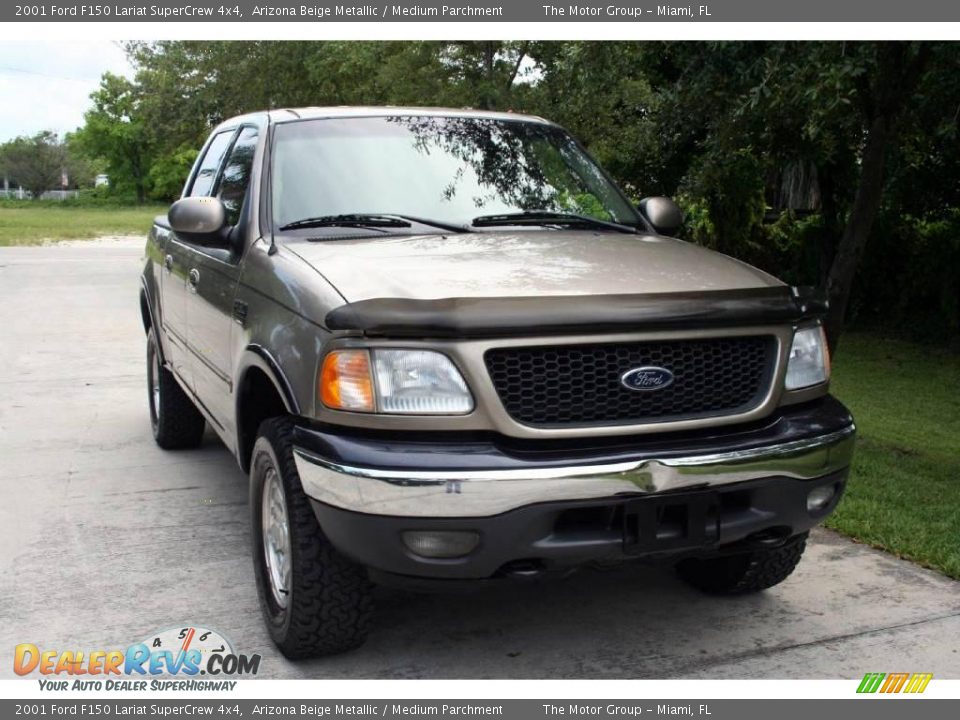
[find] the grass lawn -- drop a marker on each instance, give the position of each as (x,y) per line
(904,491)
(23,224)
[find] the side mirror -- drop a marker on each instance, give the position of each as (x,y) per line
(663,213)
(203,216)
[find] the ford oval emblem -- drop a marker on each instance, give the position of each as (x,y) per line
(647,378)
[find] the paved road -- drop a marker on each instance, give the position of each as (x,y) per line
(104,538)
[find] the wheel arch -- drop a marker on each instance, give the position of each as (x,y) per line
(262,391)
(146,317)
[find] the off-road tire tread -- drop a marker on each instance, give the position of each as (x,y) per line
(179,424)
(745,573)
(332,605)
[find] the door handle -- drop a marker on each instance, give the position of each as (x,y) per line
(168,263)
(194,277)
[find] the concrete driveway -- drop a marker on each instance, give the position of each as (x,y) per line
(105,538)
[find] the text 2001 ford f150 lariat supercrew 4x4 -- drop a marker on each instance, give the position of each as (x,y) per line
(447,348)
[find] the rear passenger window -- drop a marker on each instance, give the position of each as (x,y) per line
(236,174)
(207,173)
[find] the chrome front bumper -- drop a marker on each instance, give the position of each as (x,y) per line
(482,493)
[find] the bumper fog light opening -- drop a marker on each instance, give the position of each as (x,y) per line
(441,544)
(820,498)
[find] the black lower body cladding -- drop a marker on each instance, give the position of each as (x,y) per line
(553,538)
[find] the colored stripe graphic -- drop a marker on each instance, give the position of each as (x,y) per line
(894,682)
(870,682)
(918,683)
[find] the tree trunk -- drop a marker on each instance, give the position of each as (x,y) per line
(899,69)
(488,98)
(489,54)
(866,204)
(831,221)
(521,54)
(139,181)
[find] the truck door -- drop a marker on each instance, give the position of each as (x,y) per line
(177,261)
(212,281)
(173,302)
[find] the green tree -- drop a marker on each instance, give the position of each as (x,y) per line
(797,157)
(36,163)
(81,169)
(182,89)
(115,130)
(601,93)
(847,104)
(725,121)
(169,172)
(484,73)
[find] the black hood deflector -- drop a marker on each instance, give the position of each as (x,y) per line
(569,314)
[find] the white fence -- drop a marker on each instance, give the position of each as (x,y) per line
(21,194)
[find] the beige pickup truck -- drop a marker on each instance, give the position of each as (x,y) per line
(448,350)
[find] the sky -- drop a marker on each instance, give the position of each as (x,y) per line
(46,85)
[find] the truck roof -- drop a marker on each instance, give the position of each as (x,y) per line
(350,111)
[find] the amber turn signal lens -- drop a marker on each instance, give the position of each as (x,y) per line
(827,360)
(346,382)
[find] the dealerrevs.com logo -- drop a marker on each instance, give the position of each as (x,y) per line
(185,652)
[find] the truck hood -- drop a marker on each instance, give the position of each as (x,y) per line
(517,264)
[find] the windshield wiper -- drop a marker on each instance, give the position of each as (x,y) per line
(546,217)
(347,220)
(375,220)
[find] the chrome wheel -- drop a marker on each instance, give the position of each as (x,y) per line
(153,381)
(276,536)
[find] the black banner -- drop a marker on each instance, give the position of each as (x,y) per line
(637,11)
(874,708)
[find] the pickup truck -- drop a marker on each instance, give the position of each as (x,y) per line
(449,351)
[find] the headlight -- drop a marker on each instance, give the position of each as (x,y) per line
(419,382)
(404,382)
(809,362)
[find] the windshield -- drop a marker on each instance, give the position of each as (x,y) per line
(446,169)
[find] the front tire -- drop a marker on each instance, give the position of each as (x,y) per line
(175,420)
(744,573)
(314,600)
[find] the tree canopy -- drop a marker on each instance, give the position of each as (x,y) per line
(35,163)
(828,163)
